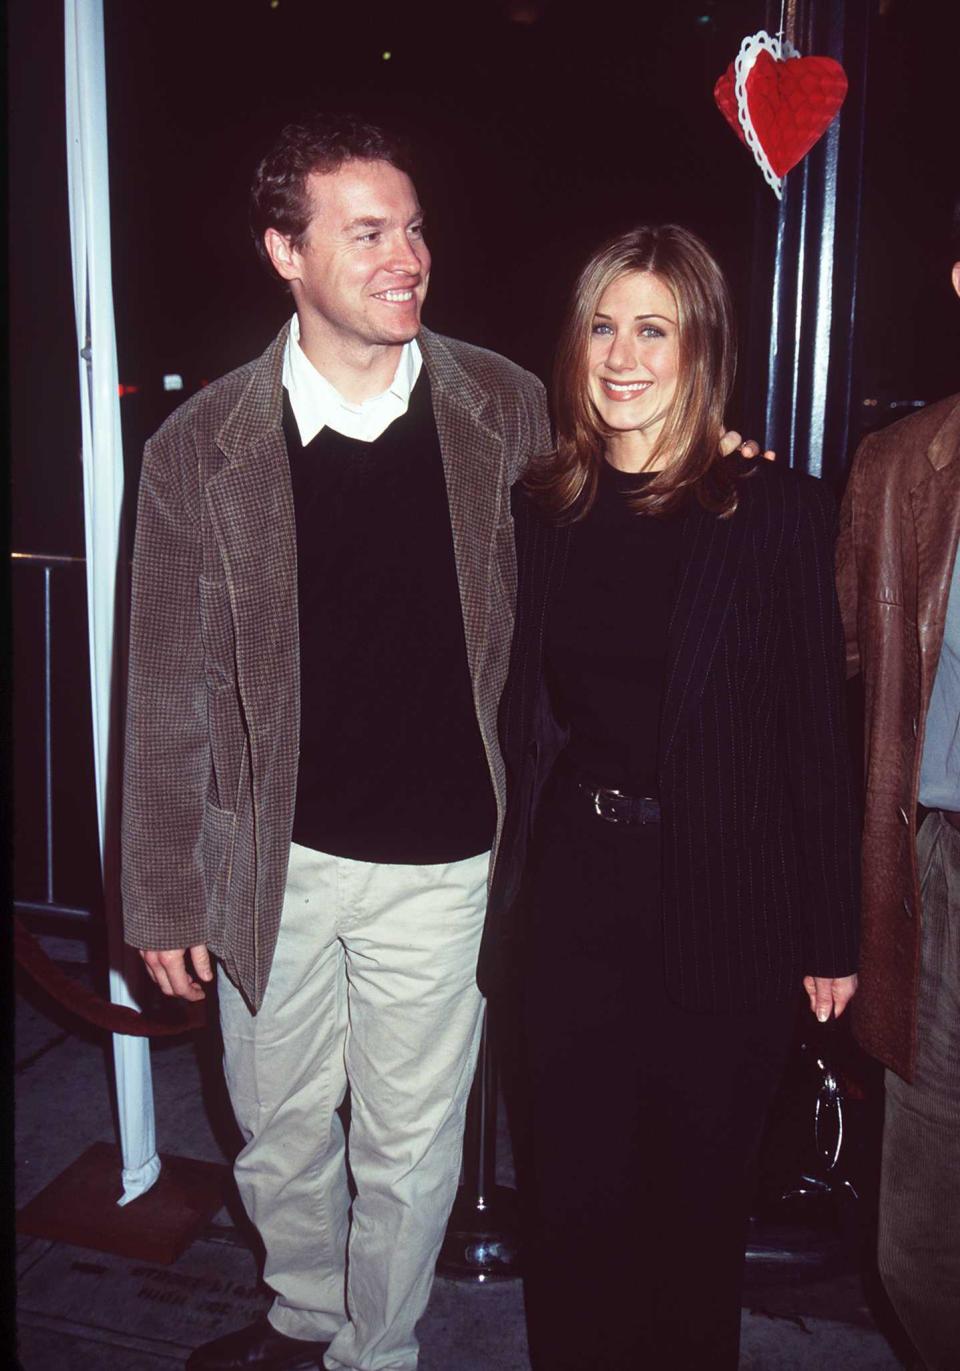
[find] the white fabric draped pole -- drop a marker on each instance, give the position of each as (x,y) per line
(89,194)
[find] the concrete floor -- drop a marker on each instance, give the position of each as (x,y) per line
(81,1310)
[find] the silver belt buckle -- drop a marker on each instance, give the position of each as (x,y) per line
(601,793)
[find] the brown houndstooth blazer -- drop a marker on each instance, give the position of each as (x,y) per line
(213,717)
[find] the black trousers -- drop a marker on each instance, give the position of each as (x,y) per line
(636,1122)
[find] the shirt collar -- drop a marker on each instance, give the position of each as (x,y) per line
(317,404)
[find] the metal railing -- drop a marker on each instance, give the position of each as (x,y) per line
(48,564)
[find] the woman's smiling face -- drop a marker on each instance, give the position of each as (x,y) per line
(634,354)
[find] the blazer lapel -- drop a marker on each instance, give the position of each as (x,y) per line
(935,503)
(472,463)
(251,508)
(711,559)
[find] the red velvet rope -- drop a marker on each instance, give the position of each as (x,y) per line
(115,1018)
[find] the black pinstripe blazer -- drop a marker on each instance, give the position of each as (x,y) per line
(760,842)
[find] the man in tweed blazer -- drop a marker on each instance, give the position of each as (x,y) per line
(313,784)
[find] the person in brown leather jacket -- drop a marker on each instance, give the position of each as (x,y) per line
(899,583)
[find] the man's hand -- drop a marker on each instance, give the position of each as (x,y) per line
(169,971)
(826,994)
(731,440)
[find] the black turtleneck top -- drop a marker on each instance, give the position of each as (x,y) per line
(606,636)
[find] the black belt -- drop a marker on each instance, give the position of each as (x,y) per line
(612,804)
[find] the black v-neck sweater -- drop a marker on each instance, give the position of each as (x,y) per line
(392,764)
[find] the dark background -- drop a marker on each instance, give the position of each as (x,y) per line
(542,126)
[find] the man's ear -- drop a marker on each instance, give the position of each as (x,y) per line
(955,277)
(282,254)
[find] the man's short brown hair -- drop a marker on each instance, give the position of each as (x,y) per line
(279,197)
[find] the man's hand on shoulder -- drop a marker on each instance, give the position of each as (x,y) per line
(731,440)
(168,970)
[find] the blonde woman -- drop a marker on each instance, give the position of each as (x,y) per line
(680,846)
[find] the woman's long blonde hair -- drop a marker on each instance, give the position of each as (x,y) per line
(564,482)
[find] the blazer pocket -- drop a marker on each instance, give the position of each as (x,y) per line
(225,721)
(217,843)
(217,633)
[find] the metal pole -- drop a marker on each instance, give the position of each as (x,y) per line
(481,1242)
(89,205)
(799,367)
(800,348)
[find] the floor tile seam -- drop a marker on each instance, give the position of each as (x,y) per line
(25,1063)
(227,1237)
(27,1260)
(102,1336)
(813,1323)
(864,1322)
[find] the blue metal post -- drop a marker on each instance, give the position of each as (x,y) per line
(800,354)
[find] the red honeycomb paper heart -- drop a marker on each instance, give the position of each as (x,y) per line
(791,104)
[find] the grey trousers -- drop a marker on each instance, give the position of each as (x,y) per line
(919,1240)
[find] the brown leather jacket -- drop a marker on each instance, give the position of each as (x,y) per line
(899,529)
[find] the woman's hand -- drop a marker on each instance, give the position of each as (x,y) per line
(829,993)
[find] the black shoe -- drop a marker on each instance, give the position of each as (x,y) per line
(259,1344)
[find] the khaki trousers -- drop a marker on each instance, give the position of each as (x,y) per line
(372,987)
(919,1239)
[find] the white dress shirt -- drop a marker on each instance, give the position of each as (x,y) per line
(317,404)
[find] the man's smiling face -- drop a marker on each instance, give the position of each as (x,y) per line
(360,276)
